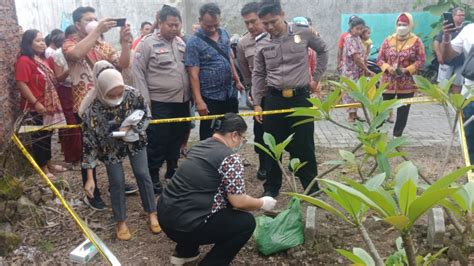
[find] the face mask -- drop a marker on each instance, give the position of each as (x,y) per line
(241,145)
(90,27)
(403,30)
(113,103)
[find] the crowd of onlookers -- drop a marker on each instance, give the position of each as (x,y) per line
(77,77)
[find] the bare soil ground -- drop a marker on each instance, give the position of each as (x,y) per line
(51,244)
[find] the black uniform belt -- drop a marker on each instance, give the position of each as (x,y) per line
(289,92)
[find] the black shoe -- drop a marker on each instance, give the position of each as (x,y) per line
(130,189)
(269,193)
(95,203)
(177,259)
(157,189)
(262,175)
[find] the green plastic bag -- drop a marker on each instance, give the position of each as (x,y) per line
(284,231)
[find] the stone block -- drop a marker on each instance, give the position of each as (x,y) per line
(310,224)
(436,227)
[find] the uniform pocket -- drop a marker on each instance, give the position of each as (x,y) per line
(271,59)
(296,48)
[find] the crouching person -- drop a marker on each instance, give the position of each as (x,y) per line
(115,118)
(206,203)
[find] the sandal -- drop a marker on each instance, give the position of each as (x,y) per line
(51,176)
(124,234)
(155,228)
(57,168)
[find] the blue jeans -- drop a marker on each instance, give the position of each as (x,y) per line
(467,113)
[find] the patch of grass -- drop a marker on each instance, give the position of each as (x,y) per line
(46,246)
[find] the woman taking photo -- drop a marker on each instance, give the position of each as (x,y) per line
(354,61)
(37,83)
(206,203)
(107,110)
(400,57)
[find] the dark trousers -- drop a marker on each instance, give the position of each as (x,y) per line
(164,140)
(467,113)
(41,142)
(258,138)
(84,171)
(116,177)
(402,112)
(228,229)
(71,143)
(302,146)
(216,108)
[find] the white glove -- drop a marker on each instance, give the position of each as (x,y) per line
(133,119)
(268,203)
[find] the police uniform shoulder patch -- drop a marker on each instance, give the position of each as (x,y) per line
(261,37)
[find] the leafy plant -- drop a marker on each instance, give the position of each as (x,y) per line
(358,256)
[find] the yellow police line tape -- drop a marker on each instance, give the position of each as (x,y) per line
(465,150)
(93,238)
(30,129)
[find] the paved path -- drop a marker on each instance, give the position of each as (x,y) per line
(427,126)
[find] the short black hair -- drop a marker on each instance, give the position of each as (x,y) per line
(272,7)
(356,22)
(250,8)
(26,46)
(210,8)
(50,37)
(144,24)
(80,11)
(167,11)
(230,122)
(70,30)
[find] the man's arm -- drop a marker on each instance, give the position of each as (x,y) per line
(193,66)
(235,75)
(319,46)
(437,49)
(80,50)
(449,52)
(125,40)
(243,64)
(259,88)
(139,68)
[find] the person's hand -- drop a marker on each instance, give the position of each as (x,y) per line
(39,108)
(448,28)
(258,109)
(201,108)
(339,66)
(105,25)
(314,85)
(268,203)
(126,35)
(89,188)
(392,71)
(125,129)
(369,73)
(405,71)
(240,86)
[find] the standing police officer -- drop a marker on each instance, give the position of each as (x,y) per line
(281,75)
(161,77)
(245,56)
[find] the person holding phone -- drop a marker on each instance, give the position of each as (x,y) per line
(82,51)
(454,66)
(400,57)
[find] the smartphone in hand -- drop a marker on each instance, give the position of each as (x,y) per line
(120,22)
(448,19)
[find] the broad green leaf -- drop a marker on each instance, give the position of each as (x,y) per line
(269,140)
(305,121)
(316,102)
(282,146)
(426,201)
(381,197)
(432,258)
(349,84)
(395,143)
(406,170)
(294,163)
(348,156)
(350,256)
(400,222)
(407,196)
(368,261)
(375,182)
(378,120)
(323,205)
(355,205)
(374,206)
(334,194)
(360,97)
(331,100)
(445,203)
(446,181)
(457,101)
(301,165)
(383,164)
(334,162)
(305,111)
(261,147)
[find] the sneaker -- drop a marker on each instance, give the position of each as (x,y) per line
(178,260)
(95,203)
(130,189)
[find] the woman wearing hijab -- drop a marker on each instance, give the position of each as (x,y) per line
(115,118)
(401,56)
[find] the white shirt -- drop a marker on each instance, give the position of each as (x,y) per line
(49,52)
(463,44)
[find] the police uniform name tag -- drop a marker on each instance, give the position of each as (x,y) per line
(297,38)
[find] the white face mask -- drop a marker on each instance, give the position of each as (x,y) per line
(90,27)
(403,30)
(113,103)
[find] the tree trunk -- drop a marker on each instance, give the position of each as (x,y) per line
(370,245)
(9,48)
(409,248)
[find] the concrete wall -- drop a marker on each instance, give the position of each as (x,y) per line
(326,14)
(9,48)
